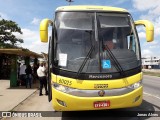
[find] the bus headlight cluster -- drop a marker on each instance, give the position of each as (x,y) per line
(62,88)
(135,85)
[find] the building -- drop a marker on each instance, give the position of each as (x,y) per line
(8,55)
(151,62)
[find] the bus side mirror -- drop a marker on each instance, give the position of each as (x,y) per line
(44,29)
(149,29)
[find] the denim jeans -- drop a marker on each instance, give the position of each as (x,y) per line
(28,80)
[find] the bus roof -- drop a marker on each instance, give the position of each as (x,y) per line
(90,8)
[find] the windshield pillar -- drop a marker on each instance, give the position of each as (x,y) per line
(97,40)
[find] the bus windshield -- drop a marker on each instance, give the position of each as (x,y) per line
(81,36)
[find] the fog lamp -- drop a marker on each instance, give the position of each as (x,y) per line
(61,103)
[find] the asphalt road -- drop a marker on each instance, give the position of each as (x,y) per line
(152,86)
(151,102)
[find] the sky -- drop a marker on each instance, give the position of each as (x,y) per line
(28,14)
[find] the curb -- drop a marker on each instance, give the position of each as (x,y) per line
(151,76)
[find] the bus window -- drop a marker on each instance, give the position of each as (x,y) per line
(131,43)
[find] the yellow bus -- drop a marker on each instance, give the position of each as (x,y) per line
(94,58)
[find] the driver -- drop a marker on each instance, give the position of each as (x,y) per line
(108,43)
(108,39)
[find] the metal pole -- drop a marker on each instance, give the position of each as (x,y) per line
(13,75)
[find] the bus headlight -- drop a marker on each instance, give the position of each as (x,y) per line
(135,85)
(61,88)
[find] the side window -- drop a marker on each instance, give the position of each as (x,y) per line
(131,43)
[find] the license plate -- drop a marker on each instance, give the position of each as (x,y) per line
(101,104)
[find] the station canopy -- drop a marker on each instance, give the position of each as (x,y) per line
(20,52)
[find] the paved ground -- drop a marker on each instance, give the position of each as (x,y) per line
(11,97)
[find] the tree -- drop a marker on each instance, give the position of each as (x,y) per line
(8,40)
(7,37)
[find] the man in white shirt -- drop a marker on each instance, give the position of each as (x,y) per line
(41,72)
(22,74)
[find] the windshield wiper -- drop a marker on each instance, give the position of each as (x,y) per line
(113,58)
(85,60)
(88,54)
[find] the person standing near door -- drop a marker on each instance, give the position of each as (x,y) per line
(41,72)
(28,76)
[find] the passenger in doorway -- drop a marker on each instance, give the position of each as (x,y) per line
(41,72)
(28,76)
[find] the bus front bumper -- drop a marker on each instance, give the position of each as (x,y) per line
(65,102)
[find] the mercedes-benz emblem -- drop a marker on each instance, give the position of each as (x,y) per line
(101,93)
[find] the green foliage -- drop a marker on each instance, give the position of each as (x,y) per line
(7,38)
